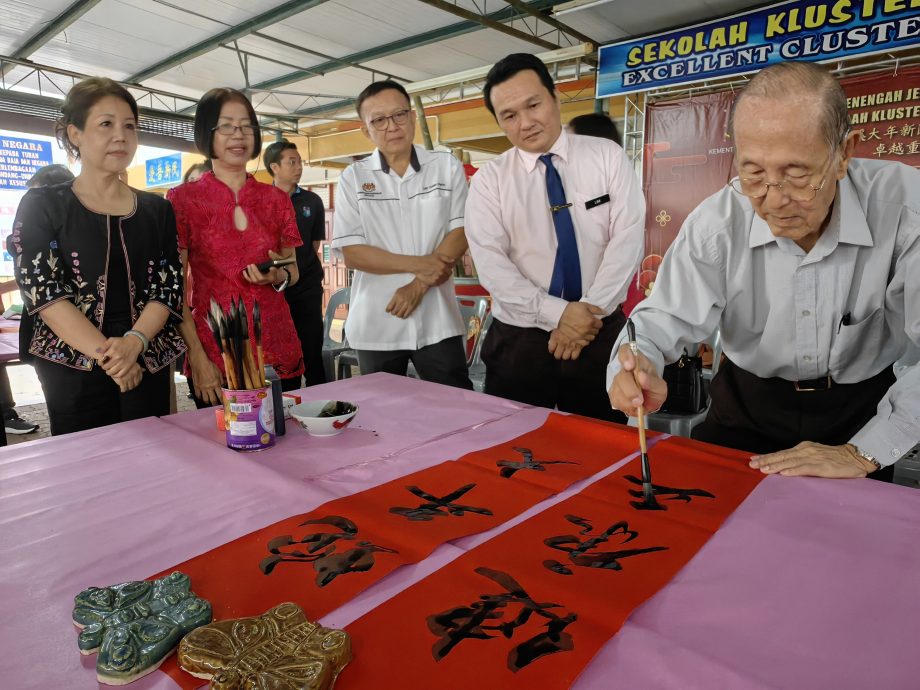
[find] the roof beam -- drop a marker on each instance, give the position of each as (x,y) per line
(487,22)
(552,21)
(76,10)
(402,45)
(280,13)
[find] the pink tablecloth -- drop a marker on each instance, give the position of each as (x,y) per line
(811,583)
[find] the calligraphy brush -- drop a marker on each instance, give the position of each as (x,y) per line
(248,362)
(257,332)
(237,336)
(648,492)
(219,331)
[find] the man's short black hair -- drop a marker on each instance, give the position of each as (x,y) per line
(273,153)
(376,87)
(595,125)
(208,113)
(510,65)
(49,175)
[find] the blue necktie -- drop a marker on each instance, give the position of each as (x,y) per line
(566,281)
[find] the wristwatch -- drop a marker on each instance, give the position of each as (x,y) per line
(865,456)
(283,286)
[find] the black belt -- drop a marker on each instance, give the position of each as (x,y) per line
(820,384)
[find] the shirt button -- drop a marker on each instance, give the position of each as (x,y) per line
(895,452)
(807,358)
(805,312)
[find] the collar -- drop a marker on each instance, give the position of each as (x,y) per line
(854,230)
(559,148)
(294,192)
(379,161)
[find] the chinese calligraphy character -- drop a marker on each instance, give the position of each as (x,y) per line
(585,553)
(896,149)
(908,130)
(880,150)
(321,551)
(485,620)
(891,132)
(670,494)
(509,467)
(872,135)
(913,147)
(436,507)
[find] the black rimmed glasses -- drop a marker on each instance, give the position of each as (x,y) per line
(400,117)
(798,189)
(228,129)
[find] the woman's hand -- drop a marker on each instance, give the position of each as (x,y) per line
(131,379)
(273,276)
(206,379)
(117,355)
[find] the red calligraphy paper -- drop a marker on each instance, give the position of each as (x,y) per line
(531,607)
(322,559)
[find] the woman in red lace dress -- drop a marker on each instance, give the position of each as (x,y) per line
(228,222)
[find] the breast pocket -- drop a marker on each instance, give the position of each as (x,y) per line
(855,345)
(434,216)
(592,223)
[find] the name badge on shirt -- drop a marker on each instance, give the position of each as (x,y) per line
(605,199)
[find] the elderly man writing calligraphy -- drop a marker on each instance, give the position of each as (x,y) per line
(809,261)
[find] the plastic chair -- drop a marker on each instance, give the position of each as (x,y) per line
(334,349)
(682,424)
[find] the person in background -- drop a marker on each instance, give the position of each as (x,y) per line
(195,171)
(595,125)
(98,268)
(556,226)
(809,262)
(228,222)
(283,162)
(399,224)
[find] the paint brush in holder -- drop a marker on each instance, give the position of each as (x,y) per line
(257,332)
(648,493)
(230,330)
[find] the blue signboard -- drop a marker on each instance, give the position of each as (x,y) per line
(20,159)
(814,30)
(164,170)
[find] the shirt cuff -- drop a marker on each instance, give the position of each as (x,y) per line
(346,241)
(883,440)
(551,311)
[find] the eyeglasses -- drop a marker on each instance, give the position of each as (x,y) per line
(400,117)
(797,189)
(228,129)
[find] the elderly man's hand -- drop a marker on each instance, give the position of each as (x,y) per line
(814,460)
(626,394)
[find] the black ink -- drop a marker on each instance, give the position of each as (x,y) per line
(583,553)
(669,494)
(437,507)
(485,620)
(321,551)
(509,467)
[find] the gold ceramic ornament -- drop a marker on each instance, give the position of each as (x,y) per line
(279,650)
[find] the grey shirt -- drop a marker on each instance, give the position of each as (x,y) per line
(849,308)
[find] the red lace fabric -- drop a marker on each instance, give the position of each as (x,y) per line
(218,253)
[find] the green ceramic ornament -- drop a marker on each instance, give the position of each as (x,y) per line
(134,626)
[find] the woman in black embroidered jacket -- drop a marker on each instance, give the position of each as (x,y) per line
(98,265)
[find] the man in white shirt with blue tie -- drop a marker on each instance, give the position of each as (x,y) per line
(809,261)
(556,228)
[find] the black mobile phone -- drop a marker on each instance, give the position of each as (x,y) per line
(265,265)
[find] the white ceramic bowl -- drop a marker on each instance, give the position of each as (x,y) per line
(307,414)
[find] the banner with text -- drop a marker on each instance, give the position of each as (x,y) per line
(815,30)
(20,159)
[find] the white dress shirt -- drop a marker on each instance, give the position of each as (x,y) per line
(512,238)
(849,308)
(409,215)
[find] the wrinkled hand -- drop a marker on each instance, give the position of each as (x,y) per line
(814,460)
(580,321)
(629,389)
(206,379)
(561,347)
(433,269)
(273,276)
(117,355)
(131,379)
(406,299)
